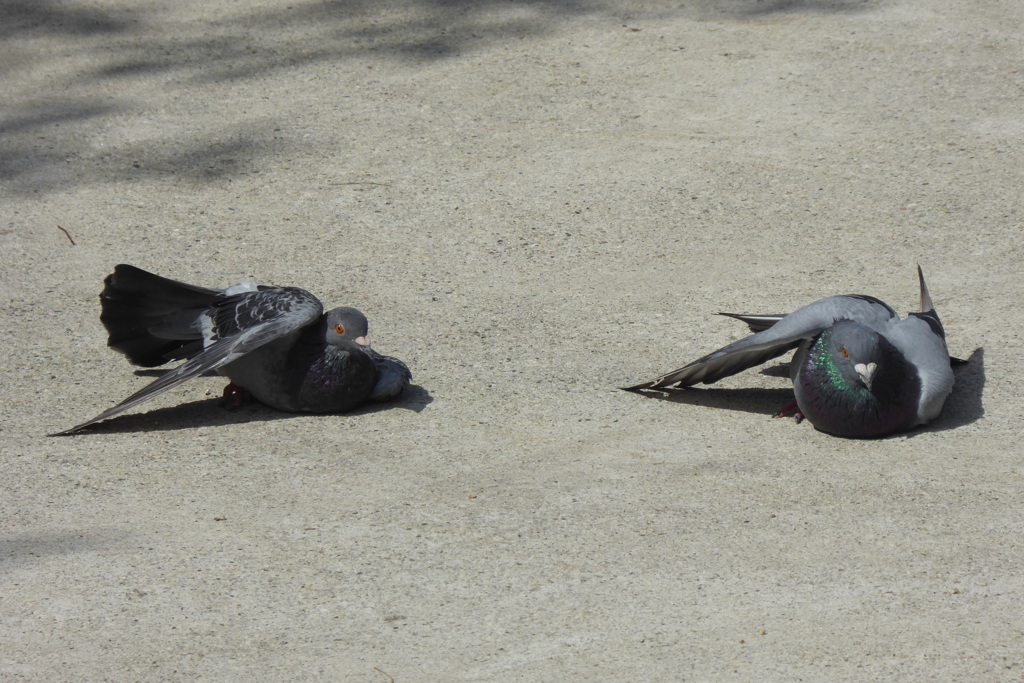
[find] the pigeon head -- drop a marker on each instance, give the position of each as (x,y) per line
(853,382)
(347,324)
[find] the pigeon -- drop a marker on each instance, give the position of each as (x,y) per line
(275,344)
(859,371)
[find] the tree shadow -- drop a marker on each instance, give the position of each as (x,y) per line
(27,166)
(18,547)
(49,142)
(415,32)
(741,9)
(44,17)
(213,413)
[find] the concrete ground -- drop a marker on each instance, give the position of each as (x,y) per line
(535,202)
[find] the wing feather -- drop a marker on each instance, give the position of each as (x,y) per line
(393,376)
(781,336)
(237,324)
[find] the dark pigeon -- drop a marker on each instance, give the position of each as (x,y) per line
(274,343)
(859,370)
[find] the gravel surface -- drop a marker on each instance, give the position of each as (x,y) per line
(534,202)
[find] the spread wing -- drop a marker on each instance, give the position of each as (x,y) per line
(233,325)
(777,336)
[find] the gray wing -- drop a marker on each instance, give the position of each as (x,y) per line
(757,323)
(761,322)
(778,336)
(926,351)
(922,340)
(233,326)
(393,377)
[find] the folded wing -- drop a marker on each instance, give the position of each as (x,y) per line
(393,376)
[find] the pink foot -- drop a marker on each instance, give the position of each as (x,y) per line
(235,396)
(791,408)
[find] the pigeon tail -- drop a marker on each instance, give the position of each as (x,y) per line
(926,299)
(151,319)
(928,313)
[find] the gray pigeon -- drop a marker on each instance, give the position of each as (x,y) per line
(274,343)
(859,370)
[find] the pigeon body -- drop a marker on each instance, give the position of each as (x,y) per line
(275,342)
(859,370)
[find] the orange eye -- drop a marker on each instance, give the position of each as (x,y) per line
(841,350)
(339,328)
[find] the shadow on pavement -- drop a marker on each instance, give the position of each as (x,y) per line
(65,132)
(213,413)
(765,402)
(28,547)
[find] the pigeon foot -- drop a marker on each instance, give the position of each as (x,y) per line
(235,396)
(791,408)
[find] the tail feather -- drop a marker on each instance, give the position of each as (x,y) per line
(928,313)
(926,299)
(152,319)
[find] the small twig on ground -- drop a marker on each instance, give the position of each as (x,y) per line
(67,233)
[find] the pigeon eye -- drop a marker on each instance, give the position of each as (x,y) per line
(843,351)
(339,328)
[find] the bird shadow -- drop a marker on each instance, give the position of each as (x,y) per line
(760,401)
(414,398)
(215,413)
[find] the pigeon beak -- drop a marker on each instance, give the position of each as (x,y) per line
(866,373)
(365,342)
